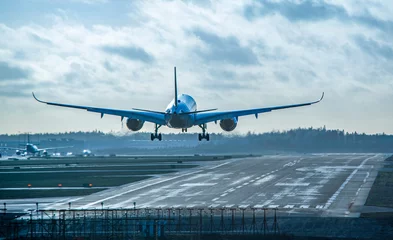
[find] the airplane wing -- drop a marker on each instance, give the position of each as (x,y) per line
(154,117)
(54,148)
(11,148)
(201,118)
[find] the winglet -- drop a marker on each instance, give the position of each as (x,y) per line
(323,94)
(37,98)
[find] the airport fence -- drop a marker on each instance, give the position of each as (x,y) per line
(138,223)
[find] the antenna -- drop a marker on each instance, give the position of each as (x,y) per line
(175,88)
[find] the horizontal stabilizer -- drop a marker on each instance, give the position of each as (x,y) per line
(200,111)
(150,111)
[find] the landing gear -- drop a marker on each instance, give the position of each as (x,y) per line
(184,130)
(204,135)
(156,134)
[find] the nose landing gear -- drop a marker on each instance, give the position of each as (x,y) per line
(156,134)
(204,135)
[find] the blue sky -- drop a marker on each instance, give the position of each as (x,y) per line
(229,55)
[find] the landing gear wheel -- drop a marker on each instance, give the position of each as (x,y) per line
(155,134)
(204,135)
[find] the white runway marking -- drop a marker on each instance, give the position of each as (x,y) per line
(197,184)
(243,206)
(273,206)
(263,180)
(289,206)
(293,184)
(224,194)
(258,206)
(319,206)
(136,189)
(215,199)
(304,206)
(219,165)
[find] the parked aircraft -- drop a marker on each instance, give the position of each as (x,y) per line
(32,149)
(181,113)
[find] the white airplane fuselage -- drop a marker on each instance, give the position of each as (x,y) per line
(176,117)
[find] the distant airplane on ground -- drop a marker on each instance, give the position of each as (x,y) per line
(181,113)
(32,149)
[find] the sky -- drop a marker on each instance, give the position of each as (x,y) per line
(229,55)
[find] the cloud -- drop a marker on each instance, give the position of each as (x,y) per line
(8,72)
(41,40)
(131,53)
(285,52)
(296,11)
(313,11)
(224,49)
(374,48)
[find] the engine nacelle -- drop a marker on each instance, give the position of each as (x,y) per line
(134,124)
(228,124)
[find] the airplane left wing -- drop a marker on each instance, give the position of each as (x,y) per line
(11,148)
(154,117)
(202,118)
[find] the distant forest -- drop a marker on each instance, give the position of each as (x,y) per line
(295,140)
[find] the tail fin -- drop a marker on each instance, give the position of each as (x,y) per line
(175,88)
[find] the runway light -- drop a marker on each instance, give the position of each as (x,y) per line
(29,185)
(59,185)
(90,184)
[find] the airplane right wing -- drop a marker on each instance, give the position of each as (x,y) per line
(154,117)
(202,118)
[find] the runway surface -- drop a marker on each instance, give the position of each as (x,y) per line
(319,184)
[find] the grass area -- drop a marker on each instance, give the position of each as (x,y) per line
(67,180)
(84,167)
(113,160)
(31,193)
(82,171)
(381,194)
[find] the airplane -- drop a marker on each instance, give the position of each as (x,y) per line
(181,113)
(32,149)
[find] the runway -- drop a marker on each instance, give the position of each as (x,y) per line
(318,184)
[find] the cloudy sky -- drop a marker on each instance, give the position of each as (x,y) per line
(229,55)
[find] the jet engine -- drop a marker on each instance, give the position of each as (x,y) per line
(134,124)
(228,124)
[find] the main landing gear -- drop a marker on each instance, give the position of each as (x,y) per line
(204,135)
(156,134)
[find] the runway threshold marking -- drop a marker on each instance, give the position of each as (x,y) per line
(289,206)
(139,188)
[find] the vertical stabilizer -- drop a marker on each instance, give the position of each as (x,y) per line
(175,87)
